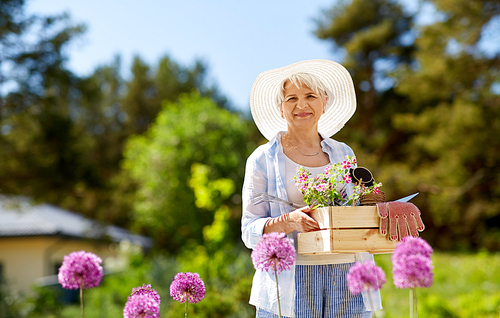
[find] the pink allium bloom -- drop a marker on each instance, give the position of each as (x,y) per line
(412,264)
(141,306)
(187,286)
(410,245)
(146,290)
(365,276)
(415,271)
(273,250)
(80,270)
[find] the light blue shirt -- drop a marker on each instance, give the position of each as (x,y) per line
(264,173)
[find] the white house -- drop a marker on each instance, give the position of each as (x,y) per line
(34,238)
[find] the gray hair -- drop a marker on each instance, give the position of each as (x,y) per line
(309,80)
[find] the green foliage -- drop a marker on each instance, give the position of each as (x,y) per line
(224,266)
(187,133)
(453,160)
(226,294)
(375,36)
(227,274)
(10,303)
(425,129)
(465,285)
(62,136)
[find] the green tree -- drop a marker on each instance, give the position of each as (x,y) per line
(192,131)
(427,129)
(38,138)
(453,150)
(113,109)
(375,37)
(62,136)
(50,145)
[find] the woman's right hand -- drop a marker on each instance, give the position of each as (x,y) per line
(302,220)
(298,220)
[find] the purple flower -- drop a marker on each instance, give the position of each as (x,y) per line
(187,286)
(415,271)
(365,276)
(412,264)
(146,290)
(80,270)
(141,306)
(274,250)
(410,245)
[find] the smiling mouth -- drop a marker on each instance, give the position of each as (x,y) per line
(302,114)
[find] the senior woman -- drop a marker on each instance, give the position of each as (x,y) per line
(297,108)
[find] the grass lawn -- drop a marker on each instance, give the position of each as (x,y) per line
(465,285)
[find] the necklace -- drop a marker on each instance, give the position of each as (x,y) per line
(304,154)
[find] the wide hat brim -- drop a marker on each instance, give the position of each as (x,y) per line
(337,80)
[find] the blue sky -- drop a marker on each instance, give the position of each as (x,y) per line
(237,39)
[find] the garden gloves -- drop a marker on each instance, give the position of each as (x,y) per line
(399,219)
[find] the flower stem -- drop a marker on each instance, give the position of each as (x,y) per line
(413,303)
(186,311)
(81,302)
(415,298)
(277,288)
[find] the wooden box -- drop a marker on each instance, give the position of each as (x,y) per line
(345,230)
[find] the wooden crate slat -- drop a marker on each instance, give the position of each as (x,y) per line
(346,217)
(344,241)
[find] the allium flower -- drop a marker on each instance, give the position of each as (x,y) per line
(410,245)
(365,276)
(141,306)
(274,251)
(412,264)
(415,271)
(187,286)
(80,270)
(146,290)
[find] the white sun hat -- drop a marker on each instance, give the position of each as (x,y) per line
(337,80)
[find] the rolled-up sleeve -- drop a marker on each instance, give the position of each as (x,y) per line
(254,216)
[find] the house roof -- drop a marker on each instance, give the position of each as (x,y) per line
(21,217)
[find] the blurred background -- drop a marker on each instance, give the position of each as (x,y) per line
(134,119)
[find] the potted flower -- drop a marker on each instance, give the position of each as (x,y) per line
(345,226)
(329,188)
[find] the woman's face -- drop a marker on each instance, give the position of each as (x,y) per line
(301,106)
